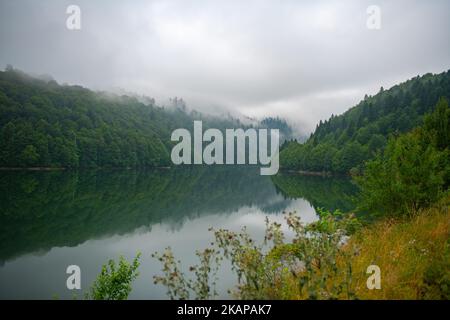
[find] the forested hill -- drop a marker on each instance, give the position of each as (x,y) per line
(343,142)
(44,124)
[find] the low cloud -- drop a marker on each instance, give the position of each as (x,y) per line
(300,60)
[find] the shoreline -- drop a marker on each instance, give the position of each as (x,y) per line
(79,168)
(314,173)
(323,174)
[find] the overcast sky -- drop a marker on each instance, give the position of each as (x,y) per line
(296,59)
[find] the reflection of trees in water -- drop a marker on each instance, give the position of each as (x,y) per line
(330,193)
(278,203)
(40,210)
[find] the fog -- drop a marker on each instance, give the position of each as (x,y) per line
(295,59)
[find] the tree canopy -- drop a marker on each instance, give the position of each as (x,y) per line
(345,141)
(44,124)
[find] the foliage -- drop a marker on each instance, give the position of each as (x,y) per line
(412,173)
(322,263)
(114,281)
(44,124)
(202,286)
(413,255)
(344,142)
(274,269)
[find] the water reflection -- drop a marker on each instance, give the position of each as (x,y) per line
(49,220)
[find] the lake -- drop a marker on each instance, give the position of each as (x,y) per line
(50,220)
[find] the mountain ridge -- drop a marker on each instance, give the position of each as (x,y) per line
(345,141)
(44,124)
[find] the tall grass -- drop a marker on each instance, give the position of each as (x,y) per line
(413,255)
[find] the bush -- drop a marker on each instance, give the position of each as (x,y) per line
(114,281)
(404,179)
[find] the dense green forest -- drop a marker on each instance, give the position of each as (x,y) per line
(413,172)
(44,124)
(344,142)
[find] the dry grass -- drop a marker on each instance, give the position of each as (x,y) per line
(413,255)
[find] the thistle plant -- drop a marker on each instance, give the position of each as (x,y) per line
(310,266)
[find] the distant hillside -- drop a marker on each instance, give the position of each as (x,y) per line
(343,142)
(286,131)
(44,124)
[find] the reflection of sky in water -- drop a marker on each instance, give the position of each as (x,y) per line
(43,275)
(87,218)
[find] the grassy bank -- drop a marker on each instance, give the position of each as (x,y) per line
(413,255)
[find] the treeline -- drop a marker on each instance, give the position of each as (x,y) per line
(44,124)
(344,142)
(284,128)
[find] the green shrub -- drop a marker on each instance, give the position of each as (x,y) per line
(413,171)
(114,281)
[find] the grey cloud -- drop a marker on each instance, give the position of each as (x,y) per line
(302,60)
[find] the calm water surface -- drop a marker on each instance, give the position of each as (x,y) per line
(49,220)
